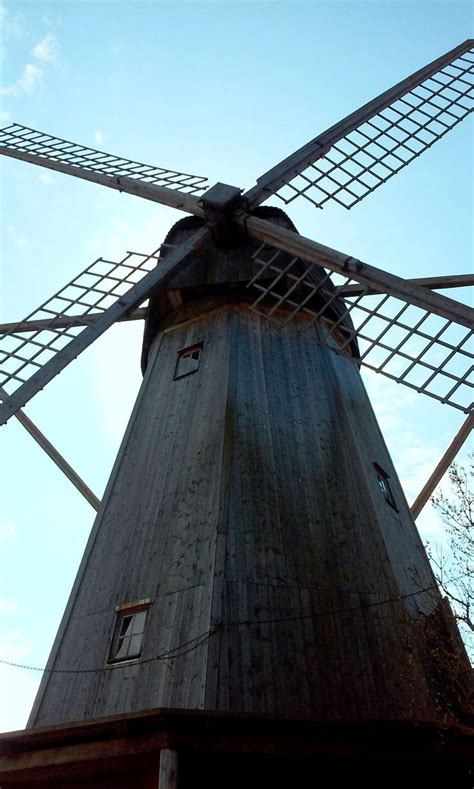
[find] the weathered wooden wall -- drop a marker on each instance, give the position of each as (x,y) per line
(244,499)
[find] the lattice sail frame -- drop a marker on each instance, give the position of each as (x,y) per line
(106,292)
(408,344)
(24,140)
(360,153)
(87,296)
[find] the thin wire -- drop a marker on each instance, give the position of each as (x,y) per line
(195,643)
(170,655)
(333,612)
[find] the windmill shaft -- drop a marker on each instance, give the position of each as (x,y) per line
(157,194)
(298,161)
(344,264)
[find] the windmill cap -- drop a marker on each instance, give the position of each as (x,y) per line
(227,271)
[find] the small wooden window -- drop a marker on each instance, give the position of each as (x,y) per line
(128,633)
(384,486)
(188,361)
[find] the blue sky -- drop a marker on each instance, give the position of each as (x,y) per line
(219,89)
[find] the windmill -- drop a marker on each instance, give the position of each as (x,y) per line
(253,553)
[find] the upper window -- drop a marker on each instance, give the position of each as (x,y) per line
(384,486)
(129,631)
(188,360)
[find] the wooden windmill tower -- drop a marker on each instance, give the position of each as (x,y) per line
(254,587)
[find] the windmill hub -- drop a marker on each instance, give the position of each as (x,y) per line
(219,204)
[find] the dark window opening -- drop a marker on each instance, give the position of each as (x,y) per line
(128,633)
(188,361)
(384,485)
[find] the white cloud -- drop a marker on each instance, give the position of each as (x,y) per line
(52,21)
(8,529)
(8,606)
(397,408)
(94,244)
(45,50)
(10,25)
(30,78)
(13,646)
(32,75)
(120,224)
(46,178)
(98,137)
(4,116)
(118,348)
(18,241)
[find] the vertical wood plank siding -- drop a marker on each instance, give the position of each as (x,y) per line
(244,497)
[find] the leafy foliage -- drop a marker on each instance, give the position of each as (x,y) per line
(454,568)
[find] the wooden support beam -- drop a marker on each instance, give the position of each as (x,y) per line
(346,265)
(80,759)
(122,183)
(442,466)
(113,748)
(297,162)
(55,456)
(66,322)
(432,283)
(168,771)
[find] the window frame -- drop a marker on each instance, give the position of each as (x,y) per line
(384,486)
(185,353)
(122,612)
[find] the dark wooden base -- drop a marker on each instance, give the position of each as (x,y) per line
(216,750)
